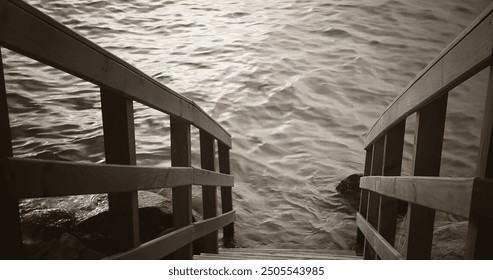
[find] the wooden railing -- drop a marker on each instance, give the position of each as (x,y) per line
(425,192)
(29,32)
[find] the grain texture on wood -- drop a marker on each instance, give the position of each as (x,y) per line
(49,178)
(451,195)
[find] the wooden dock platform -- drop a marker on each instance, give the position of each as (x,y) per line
(278,254)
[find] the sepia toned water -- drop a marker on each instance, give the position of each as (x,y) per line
(296,83)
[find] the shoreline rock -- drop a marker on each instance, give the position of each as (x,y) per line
(78,228)
(350,191)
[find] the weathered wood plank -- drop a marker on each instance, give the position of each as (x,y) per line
(159,247)
(209,191)
(279,254)
(211,178)
(479,243)
(451,195)
(119,148)
(27,31)
(380,245)
(342,253)
(181,155)
(11,236)
(177,239)
(468,54)
(49,178)
(226,193)
(210,225)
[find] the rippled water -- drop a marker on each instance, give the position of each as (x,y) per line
(297,84)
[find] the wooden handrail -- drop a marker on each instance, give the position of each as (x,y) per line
(166,244)
(467,55)
(158,247)
(48,178)
(31,33)
(451,195)
(425,192)
(377,242)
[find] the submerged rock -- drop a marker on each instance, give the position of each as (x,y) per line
(449,237)
(79,227)
(68,247)
(46,224)
(449,241)
(350,191)
(96,233)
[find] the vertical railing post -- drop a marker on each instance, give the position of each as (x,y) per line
(428,143)
(226,193)
(119,147)
(373,197)
(392,164)
(479,243)
(363,202)
(181,156)
(11,235)
(209,193)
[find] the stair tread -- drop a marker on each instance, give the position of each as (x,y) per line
(278,254)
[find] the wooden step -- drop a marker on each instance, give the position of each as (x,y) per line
(278,254)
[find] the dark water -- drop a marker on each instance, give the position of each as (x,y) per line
(297,84)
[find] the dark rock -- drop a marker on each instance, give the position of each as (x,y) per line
(449,241)
(68,247)
(350,191)
(95,232)
(449,238)
(155,217)
(51,225)
(46,224)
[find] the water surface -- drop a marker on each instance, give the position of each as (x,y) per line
(297,84)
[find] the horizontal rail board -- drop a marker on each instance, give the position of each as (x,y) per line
(468,54)
(159,247)
(167,244)
(451,195)
(58,178)
(383,249)
(211,178)
(205,227)
(29,32)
